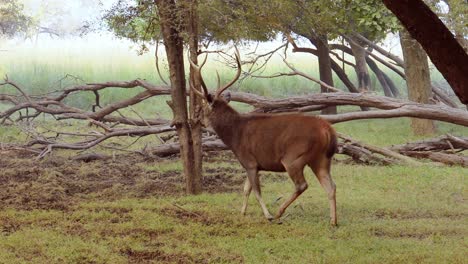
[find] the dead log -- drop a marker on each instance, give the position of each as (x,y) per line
(449,159)
(382,151)
(442,143)
(361,155)
(357,153)
(165,150)
(393,107)
(55,106)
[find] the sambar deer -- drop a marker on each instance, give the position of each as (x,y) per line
(272,142)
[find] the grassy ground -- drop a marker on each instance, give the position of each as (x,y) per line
(58,211)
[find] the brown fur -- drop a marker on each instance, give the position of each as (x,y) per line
(277,142)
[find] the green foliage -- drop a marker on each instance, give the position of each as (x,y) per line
(370,18)
(453,13)
(137,20)
(259,20)
(457,17)
(12,19)
(240,20)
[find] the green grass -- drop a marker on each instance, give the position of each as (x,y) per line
(386,132)
(386,215)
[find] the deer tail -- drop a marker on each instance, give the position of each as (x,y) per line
(332,144)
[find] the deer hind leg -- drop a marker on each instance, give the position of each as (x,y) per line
(247,190)
(296,173)
(322,171)
(255,185)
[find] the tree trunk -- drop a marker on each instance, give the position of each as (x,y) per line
(391,85)
(362,73)
(417,79)
(369,61)
(444,50)
(380,76)
(325,70)
(387,84)
(194,183)
(173,42)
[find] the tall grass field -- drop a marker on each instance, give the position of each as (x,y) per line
(41,66)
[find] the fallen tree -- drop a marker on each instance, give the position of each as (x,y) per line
(109,122)
(443,143)
(393,107)
(55,106)
(363,153)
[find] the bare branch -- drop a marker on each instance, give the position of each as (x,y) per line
(156,60)
(382,51)
(297,72)
(139,131)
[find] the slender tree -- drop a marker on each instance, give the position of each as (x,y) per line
(417,79)
(194,182)
(172,27)
(325,70)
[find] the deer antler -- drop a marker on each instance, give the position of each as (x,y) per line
(239,70)
(197,92)
(197,70)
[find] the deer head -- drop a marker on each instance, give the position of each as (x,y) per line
(215,105)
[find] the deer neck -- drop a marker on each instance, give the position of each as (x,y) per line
(226,122)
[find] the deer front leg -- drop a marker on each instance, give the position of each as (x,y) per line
(255,184)
(247,190)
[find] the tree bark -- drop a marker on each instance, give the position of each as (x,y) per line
(444,50)
(362,73)
(173,41)
(194,183)
(326,76)
(392,107)
(390,86)
(335,67)
(417,79)
(380,76)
